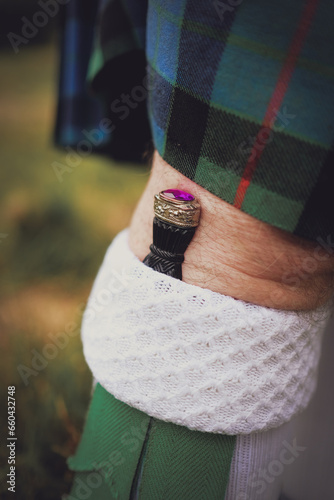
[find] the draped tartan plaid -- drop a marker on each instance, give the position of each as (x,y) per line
(240,96)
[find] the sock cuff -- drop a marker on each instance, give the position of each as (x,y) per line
(194,357)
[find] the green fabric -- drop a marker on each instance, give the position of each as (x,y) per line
(111,444)
(178,464)
(90,485)
(185,464)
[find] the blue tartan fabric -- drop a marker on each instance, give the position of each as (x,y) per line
(77,109)
(237,95)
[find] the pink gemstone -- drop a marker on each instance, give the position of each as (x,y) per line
(177,194)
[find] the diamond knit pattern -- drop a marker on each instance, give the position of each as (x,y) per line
(194,357)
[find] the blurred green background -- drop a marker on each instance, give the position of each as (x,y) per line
(52,240)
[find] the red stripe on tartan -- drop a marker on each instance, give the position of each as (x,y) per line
(276,100)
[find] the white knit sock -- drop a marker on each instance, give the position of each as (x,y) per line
(194,357)
(259,463)
(294,461)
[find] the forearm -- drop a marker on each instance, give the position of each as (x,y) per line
(235,254)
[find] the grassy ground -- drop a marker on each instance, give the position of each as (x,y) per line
(52,238)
